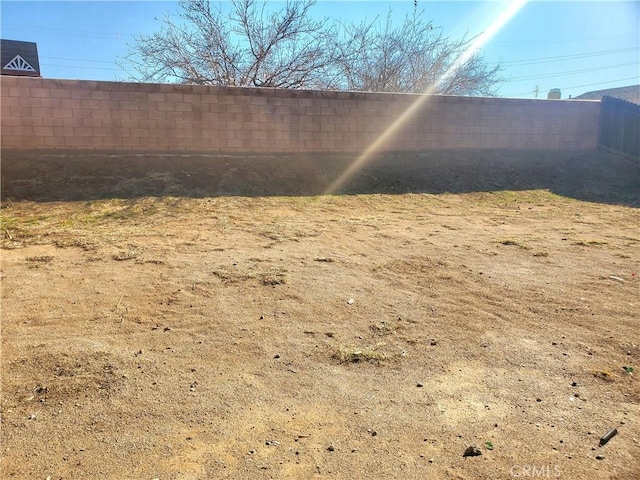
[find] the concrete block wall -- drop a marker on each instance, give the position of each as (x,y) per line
(42,113)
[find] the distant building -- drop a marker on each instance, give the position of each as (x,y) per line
(630,94)
(554,94)
(19,58)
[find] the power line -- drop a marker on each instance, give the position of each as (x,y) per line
(601,83)
(519,43)
(61,29)
(77,66)
(514,63)
(117,35)
(68,32)
(533,61)
(573,72)
(578,86)
(79,60)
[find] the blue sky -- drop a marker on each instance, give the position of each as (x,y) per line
(574,46)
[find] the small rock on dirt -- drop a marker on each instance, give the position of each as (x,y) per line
(331,448)
(472,451)
(599,457)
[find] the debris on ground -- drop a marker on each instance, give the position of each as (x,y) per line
(608,436)
(472,451)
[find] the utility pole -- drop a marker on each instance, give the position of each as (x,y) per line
(536,91)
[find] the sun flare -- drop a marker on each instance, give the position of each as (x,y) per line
(502,19)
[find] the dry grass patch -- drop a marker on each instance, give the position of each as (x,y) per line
(385,327)
(129,254)
(590,243)
(356,354)
(515,243)
(40,259)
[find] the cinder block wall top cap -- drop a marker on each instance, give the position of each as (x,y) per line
(264,91)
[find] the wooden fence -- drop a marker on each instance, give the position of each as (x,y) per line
(620,126)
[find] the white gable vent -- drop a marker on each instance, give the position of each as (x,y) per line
(19,63)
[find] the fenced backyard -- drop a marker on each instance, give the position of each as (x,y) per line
(182,300)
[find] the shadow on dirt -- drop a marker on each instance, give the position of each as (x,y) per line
(63,176)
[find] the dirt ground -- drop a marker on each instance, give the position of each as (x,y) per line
(57,175)
(351,336)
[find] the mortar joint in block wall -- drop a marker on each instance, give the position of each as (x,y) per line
(253,119)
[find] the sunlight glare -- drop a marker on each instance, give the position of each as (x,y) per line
(503,18)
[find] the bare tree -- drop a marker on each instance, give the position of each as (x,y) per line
(411,57)
(245,45)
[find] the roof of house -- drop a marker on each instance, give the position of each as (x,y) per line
(19,58)
(630,94)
